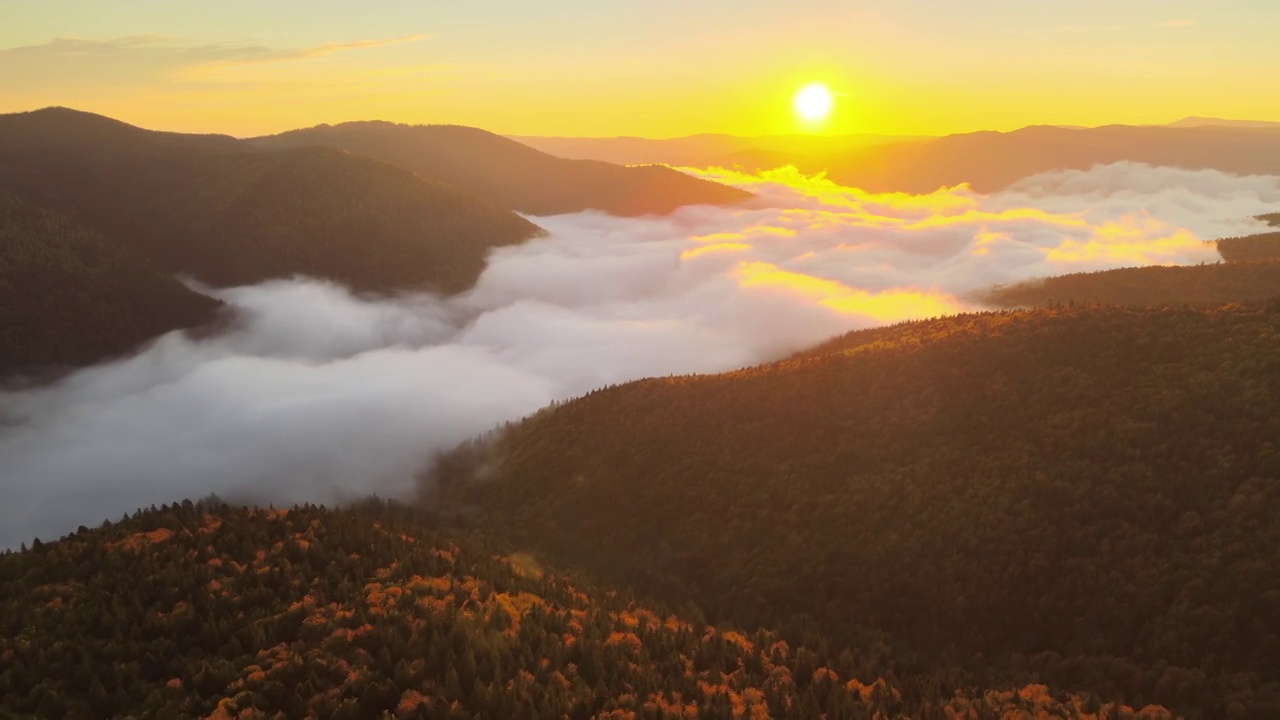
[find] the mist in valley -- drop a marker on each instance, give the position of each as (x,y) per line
(317,394)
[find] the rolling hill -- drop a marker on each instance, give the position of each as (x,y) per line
(205,610)
(1080,496)
(1216,284)
(1249,248)
(69,297)
(511,174)
(228,213)
(988,161)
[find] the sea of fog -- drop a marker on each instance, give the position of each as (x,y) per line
(319,395)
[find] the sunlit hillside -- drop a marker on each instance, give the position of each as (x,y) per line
(1074,495)
(626,360)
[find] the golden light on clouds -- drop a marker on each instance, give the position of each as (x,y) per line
(714,248)
(1131,241)
(890,256)
(887,306)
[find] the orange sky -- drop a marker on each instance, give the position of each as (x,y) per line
(658,69)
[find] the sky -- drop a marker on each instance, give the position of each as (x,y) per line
(658,68)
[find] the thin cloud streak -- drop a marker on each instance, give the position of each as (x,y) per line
(326,50)
(178,52)
(154,61)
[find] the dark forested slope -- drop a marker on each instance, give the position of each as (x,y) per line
(69,297)
(1083,495)
(1155,286)
(217,612)
(514,175)
(228,213)
(1263,246)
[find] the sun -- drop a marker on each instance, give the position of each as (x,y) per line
(814,102)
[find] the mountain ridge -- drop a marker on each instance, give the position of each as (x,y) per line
(227,213)
(69,297)
(988,160)
(950,483)
(513,175)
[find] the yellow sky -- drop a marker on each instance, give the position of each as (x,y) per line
(655,69)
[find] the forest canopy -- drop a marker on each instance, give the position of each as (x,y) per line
(1082,496)
(1154,286)
(1263,246)
(210,611)
(70,297)
(227,213)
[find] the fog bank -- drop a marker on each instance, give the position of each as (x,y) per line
(318,395)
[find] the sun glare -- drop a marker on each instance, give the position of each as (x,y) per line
(813,102)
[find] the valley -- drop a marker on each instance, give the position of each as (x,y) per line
(383,419)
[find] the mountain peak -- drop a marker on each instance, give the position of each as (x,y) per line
(510,173)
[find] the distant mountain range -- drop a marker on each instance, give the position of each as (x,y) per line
(707,150)
(988,161)
(510,174)
(993,161)
(1194,121)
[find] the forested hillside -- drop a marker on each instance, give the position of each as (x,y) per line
(227,213)
(1263,246)
(68,297)
(1155,286)
(203,610)
(513,175)
(1251,273)
(1083,496)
